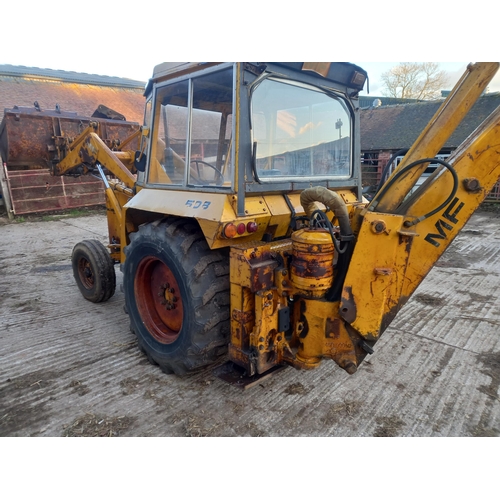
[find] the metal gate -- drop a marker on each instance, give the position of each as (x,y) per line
(35,191)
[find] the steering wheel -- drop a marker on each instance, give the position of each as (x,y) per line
(219,177)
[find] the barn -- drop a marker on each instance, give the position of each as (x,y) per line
(389,125)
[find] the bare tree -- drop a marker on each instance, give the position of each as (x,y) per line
(412,80)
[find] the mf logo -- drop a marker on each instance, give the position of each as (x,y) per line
(449,218)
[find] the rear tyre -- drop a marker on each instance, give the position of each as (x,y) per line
(94,270)
(177,295)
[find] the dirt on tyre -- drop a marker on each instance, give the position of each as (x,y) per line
(93,270)
(177,295)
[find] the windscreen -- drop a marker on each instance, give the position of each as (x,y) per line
(299,131)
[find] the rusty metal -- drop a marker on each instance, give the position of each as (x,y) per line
(286,321)
(36,191)
(312,266)
(4,189)
(472,185)
(32,139)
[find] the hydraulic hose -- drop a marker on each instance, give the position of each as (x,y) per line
(330,199)
(445,164)
(401,152)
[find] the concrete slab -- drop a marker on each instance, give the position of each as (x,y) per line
(70,367)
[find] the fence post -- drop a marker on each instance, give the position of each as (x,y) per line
(4,188)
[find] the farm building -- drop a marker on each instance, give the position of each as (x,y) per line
(387,128)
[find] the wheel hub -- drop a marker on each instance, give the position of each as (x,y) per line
(85,273)
(169,294)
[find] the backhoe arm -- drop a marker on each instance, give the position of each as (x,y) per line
(395,251)
(453,110)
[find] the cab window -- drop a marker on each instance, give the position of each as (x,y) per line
(193,130)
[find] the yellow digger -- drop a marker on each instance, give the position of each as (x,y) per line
(239,221)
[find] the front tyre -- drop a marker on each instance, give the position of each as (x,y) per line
(93,270)
(177,295)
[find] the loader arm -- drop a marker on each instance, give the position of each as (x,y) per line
(89,152)
(89,149)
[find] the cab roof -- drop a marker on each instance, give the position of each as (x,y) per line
(344,73)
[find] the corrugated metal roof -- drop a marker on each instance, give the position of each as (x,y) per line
(69,76)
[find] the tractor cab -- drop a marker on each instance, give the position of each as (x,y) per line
(247,129)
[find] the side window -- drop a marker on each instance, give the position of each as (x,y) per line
(193,152)
(168,165)
(211,129)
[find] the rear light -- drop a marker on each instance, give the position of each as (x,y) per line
(230,231)
(252,227)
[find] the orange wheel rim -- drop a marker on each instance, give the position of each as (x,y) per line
(158,300)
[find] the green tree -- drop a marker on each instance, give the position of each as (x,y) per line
(412,80)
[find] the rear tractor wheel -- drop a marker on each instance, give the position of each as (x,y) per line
(177,295)
(94,270)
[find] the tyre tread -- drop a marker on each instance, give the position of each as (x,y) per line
(103,267)
(206,275)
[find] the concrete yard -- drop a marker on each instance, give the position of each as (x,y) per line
(72,368)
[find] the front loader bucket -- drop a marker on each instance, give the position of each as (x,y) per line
(32,139)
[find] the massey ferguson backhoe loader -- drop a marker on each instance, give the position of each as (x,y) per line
(239,222)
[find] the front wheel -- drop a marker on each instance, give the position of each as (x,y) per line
(94,270)
(177,295)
